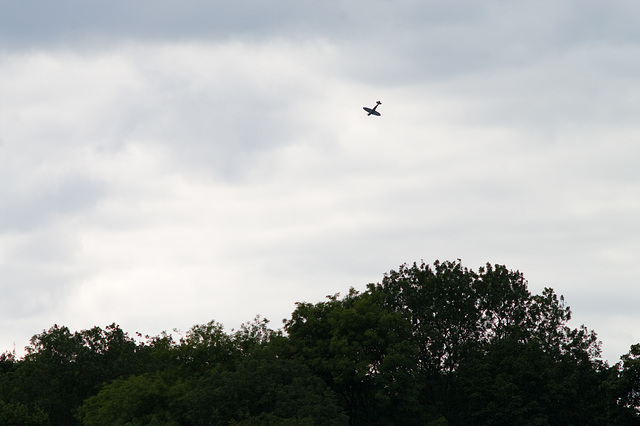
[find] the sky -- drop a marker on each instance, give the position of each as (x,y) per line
(164,164)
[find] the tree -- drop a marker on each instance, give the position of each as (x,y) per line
(516,382)
(260,390)
(205,346)
(363,351)
(211,377)
(624,386)
(437,325)
(428,345)
(61,369)
(137,400)
(16,414)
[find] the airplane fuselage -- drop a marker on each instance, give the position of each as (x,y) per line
(372,111)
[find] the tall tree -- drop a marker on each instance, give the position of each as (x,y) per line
(431,323)
(364,352)
(625,386)
(61,369)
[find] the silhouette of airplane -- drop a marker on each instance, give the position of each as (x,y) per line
(372,111)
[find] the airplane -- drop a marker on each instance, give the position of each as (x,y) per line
(373,110)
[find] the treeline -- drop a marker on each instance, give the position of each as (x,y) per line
(430,345)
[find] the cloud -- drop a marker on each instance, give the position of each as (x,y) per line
(463,33)
(162,167)
(81,23)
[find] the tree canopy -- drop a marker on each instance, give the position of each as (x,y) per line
(428,345)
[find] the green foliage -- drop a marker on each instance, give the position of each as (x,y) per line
(203,347)
(626,385)
(61,369)
(16,414)
(215,378)
(429,345)
(469,347)
(513,382)
(137,400)
(362,350)
(261,388)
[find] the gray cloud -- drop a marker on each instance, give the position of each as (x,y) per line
(472,32)
(71,22)
(32,208)
(168,163)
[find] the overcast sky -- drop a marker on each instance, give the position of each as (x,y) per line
(166,163)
